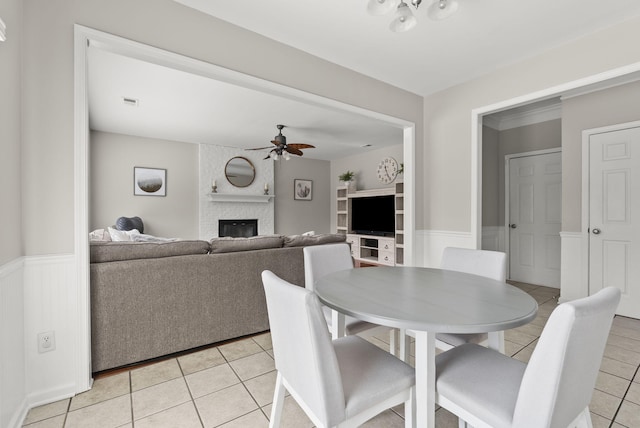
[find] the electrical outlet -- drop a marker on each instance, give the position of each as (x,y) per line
(46,341)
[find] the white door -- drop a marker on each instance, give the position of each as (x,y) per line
(614,216)
(535,218)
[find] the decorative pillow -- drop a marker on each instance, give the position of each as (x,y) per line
(117,251)
(228,244)
(122,235)
(100,235)
(130,223)
(305,241)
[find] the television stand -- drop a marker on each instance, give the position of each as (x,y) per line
(372,250)
(371,254)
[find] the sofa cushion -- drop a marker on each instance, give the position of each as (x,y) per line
(117,251)
(305,241)
(229,244)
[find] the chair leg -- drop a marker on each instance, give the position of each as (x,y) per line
(410,410)
(405,345)
(584,419)
(393,341)
(278,402)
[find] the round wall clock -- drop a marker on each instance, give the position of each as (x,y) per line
(387,170)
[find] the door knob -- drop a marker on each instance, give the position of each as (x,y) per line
(512,225)
(596,231)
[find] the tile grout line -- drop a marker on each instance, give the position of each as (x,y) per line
(613,419)
(193,401)
(133,421)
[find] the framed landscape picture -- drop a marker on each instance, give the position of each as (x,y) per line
(302,190)
(149,181)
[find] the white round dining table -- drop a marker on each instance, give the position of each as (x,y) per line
(427,301)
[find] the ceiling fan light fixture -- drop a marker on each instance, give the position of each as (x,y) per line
(286,156)
(442,9)
(275,156)
(381,7)
(404,19)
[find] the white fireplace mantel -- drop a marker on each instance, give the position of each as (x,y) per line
(239,197)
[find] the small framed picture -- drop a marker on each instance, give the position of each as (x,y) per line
(302,190)
(149,181)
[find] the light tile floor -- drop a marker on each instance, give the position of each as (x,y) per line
(232,385)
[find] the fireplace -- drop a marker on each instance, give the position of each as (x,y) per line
(238,228)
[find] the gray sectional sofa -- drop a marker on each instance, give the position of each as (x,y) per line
(153,299)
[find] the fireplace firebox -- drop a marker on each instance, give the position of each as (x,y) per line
(238,228)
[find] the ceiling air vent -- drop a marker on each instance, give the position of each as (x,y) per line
(133,102)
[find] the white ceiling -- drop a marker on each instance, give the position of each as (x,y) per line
(179,106)
(481,36)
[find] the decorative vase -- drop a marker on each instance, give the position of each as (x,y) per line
(351,185)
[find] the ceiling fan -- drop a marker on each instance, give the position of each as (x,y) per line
(282,149)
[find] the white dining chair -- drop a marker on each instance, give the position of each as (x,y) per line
(340,383)
(490,264)
(488,389)
(321,260)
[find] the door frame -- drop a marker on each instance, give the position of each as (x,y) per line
(84,38)
(606,79)
(586,171)
(507,211)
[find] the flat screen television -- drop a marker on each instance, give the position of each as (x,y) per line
(373,215)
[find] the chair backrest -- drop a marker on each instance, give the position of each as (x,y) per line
(562,371)
(302,348)
(491,264)
(321,260)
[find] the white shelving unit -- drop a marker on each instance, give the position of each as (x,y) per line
(367,249)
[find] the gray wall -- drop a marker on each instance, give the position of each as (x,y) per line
(48,67)
(608,107)
(10,134)
(490,181)
(294,216)
(365,167)
(13,373)
(495,146)
(113,157)
(446,154)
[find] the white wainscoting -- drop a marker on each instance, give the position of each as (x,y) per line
(573,283)
(13,396)
(430,243)
(50,297)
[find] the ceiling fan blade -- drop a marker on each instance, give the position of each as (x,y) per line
(301,146)
(260,148)
(269,154)
(293,150)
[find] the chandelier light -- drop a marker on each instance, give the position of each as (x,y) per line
(404,18)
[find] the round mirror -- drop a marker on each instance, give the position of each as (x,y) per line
(240,171)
